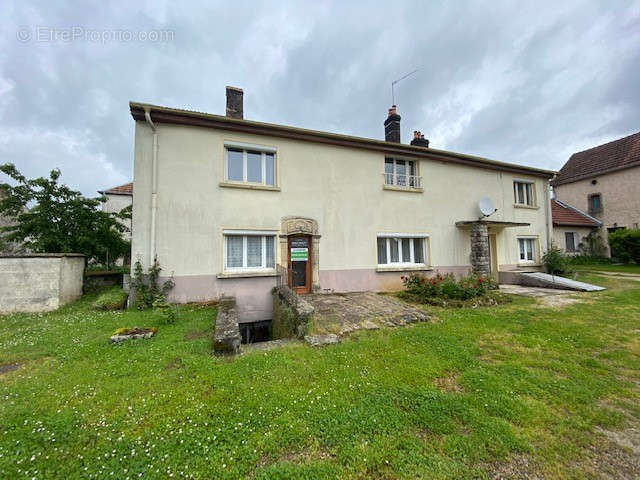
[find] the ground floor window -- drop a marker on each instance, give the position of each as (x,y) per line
(249,251)
(527,249)
(402,250)
(570,241)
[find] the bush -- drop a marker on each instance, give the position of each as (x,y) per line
(446,286)
(113,299)
(588,259)
(626,244)
(146,287)
(555,261)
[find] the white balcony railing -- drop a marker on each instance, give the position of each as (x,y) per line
(403,181)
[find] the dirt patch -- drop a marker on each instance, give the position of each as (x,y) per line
(517,467)
(8,367)
(175,364)
(615,456)
(299,457)
(448,384)
(196,334)
(557,301)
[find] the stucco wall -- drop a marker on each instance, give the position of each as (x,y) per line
(114,204)
(620,198)
(580,236)
(38,283)
(340,187)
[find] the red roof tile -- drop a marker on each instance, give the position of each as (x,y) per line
(564,214)
(616,155)
(126,189)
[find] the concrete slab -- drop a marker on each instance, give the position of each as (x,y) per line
(535,292)
(555,281)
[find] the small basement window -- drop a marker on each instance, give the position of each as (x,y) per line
(254,332)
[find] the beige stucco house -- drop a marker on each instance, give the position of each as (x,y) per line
(228,204)
(117,199)
(603,182)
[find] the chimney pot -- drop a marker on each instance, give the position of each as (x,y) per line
(419,140)
(235,108)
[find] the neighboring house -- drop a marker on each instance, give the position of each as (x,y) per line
(118,198)
(603,181)
(571,227)
(228,204)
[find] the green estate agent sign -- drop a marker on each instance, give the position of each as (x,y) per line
(299,254)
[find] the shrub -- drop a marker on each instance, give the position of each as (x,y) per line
(113,299)
(146,287)
(555,261)
(588,259)
(446,286)
(626,244)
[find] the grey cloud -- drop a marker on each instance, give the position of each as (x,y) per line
(521,82)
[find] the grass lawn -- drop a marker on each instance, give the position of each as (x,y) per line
(511,390)
(603,267)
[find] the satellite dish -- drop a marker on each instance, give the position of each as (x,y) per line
(486,206)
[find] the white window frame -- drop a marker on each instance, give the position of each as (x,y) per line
(416,174)
(400,236)
(534,250)
(528,196)
(265,234)
(245,147)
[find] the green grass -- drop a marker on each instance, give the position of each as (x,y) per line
(603,267)
(440,400)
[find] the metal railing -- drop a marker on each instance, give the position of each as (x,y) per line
(283,276)
(401,180)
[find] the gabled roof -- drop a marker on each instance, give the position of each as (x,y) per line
(176,116)
(563,214)
(126,189)
(609,157)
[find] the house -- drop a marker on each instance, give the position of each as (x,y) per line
(232,206)
(603,181)
(118,198)
(572,228)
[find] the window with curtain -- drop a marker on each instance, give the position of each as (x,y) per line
(570,241)
(249,252)
(399,250)
(250,166)
(526,248)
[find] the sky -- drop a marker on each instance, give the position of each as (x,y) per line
(526,82)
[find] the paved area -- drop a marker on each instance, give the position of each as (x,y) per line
(342,313)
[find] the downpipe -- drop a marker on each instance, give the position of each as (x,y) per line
(154,186)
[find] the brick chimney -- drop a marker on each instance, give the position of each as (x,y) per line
(234,102)
(419,140)
(392,126)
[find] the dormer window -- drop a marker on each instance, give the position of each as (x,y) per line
(401,173)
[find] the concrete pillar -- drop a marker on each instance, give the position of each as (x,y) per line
(480,248)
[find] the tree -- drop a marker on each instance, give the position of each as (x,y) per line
(60,220)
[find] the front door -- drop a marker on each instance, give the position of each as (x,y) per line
(300,264)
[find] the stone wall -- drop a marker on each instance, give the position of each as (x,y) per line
(39,282)
(226,337)
(292,315)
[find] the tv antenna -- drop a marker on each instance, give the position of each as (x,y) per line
(393,84)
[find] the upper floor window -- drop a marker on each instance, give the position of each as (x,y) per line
(249,251)
(402,249)
(524,193)
(595,203)
(401,173)
(250,166)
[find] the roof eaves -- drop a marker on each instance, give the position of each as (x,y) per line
(580,212)
(137,112)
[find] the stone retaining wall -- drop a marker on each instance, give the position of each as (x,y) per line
(226,338)
(292,315)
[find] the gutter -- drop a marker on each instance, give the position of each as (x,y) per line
(154,186)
